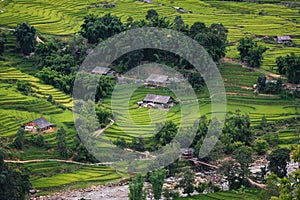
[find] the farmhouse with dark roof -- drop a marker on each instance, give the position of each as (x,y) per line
(284,39)
(157,79)
(103,71)
(160,101)
(39,125)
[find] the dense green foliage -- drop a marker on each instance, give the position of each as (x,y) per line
(278,161)
(289,66)
(62,143)
(187,182)
(269,87)
(2,42)
(251,52)
(26,35)
(157,180)
(14,183)
(136,188)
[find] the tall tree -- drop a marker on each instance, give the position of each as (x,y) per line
(157,181)
(187,182)
(243,156)
(136,188)
(278,161)
(62,143)
(2,42)
(14,183)
(251,52)
(230,168)
(165,134)
(96,29)
(25,35)
(289,66)
(18,142)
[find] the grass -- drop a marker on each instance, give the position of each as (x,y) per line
(250,194)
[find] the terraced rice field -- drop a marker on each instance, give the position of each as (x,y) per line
(288,136)
(54,174)
(11,74)
(240,96)
(241,18)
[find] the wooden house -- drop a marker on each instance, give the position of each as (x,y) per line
(39,125)
(103,71)
(159,100)
(284,39)
(157,79)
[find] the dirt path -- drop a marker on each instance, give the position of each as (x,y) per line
(39,40)
(99,131)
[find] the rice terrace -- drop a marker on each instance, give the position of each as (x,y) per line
(51,139)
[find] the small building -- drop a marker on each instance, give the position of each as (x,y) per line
(147,1)
(103,71)
(154,100)
(271,81)
(187,153)
(39,125)
(157,79)
(284,39)
(181,10)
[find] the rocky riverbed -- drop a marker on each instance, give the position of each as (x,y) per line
(119,192)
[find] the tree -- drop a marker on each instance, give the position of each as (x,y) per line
(18,142)
(243,155)
(230,168)
(278,161)
(179,25)
(2,42)
(187,182)
(14,183)
(121,142)
(296,154)
(136,188)
(289,66)
(236,129)
(196,28)
(25,35)
(251,52)
(165,134)
(50,98)
(261,146)
(24,87)
(98,29)
(62,143)
(152,15)
(157,180)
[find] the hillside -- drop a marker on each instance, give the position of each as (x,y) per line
(61,20)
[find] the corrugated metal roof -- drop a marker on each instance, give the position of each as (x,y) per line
(42,122)
(101,70)
(284,38)
(157,78)
(157,98)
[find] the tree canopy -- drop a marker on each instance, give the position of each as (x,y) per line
(25,35)
(251,52)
